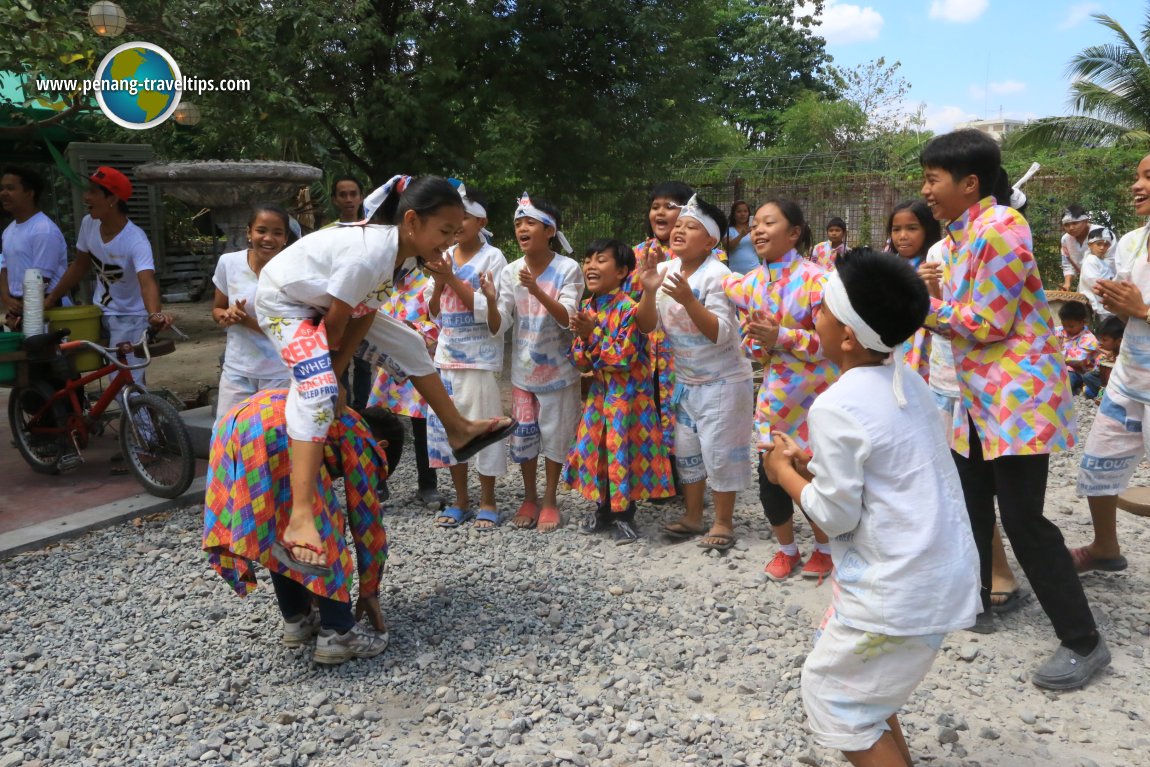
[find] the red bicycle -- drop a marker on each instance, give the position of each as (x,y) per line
(52,417)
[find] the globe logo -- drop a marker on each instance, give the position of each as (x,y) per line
(137,85)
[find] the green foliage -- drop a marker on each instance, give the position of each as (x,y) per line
(815,124)
(1111,94)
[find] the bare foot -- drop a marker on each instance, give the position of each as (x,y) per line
(549,519)
(475,429)
(300,533)
(369,606)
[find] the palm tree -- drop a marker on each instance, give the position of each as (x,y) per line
(1110,94)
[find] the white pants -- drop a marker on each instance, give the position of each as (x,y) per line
(476,396)
(235,388)
(127,328)
(853,681)
(713,426)
(547,423)
(1116,443)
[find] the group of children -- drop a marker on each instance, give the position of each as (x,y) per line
(853,350)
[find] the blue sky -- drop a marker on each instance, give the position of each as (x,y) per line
(972,59)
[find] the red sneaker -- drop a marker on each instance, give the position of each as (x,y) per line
(783,566)
(818,566)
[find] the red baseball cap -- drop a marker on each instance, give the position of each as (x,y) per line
(112,180)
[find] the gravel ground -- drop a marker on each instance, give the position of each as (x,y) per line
(516,648)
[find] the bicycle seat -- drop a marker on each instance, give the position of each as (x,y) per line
(45,341)
(156,348)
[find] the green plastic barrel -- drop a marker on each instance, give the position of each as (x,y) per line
(9,342)
(84,322)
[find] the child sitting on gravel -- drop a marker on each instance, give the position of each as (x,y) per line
(684,297)
(882,485)
(619,455)
(1080,348)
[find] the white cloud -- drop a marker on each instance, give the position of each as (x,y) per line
(844,23)
(942,119)
(1076,14)
(1007,86)
(958,11)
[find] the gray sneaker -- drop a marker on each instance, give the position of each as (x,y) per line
(333,648)
(302,630)
(1067,669)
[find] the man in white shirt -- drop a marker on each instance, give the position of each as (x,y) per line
(30,241)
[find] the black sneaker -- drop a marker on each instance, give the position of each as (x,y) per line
(625,532)
(597,522)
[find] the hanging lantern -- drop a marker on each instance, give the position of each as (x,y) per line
(107,19)
(187,113)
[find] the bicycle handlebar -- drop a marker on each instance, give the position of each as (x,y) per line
(110,352)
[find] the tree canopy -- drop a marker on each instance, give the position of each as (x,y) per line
(578,92)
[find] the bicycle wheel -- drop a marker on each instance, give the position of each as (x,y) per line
(39,440)
(156,445)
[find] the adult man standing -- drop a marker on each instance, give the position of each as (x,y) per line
(30,241)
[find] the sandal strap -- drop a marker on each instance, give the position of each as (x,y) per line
(289,545)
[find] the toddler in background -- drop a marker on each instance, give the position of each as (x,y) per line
(1080,348)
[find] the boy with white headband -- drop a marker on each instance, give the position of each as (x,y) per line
(1098,264)
(715,395)
(881,484)
(469,357)
(537,296)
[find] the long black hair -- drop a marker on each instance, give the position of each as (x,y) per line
(794,216)
(932,230)
(425,195)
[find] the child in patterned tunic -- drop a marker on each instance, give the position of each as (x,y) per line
(780,300)
(684,297)
(537,295)
(912,231)
(317,303)
(1080,348)
(619,456)
(1015,407)
(826,252)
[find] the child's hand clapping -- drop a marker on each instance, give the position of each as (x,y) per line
(763,328)
(648,271)
(441,266)
(583,324)
(677,287)
(487,286)
(931,274)
(527,280)
(235,313)
(799,457)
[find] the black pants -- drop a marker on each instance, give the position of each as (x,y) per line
(427,477)
(777,503)
(1019,482)
(294,601)
(357,381)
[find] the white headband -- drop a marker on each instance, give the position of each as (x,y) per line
(1069,218)
(835,299)
(474,209)
(1017,198)
(375,200)
(527,210)
(692,210)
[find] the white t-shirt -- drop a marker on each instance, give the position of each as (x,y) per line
(1094,269)
(117,264)
(354,264)
(33,244)
(1131,373)
(1073,252)
(887,493)
(943,378)
(248,352)
(539,344)
(698,359)
(465,340)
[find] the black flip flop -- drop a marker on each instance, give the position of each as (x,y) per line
(681,532)
(486,439)
(1014,600)
(281,550)
(728,541)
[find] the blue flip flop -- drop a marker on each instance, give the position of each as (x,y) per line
(457,516)
(488,515)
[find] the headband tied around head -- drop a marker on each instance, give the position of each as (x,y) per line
(526,209)
(692,210)
(474,209)
(1070,218)
(835,299)
(375,200)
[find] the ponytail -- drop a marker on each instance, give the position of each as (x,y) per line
(424,195)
